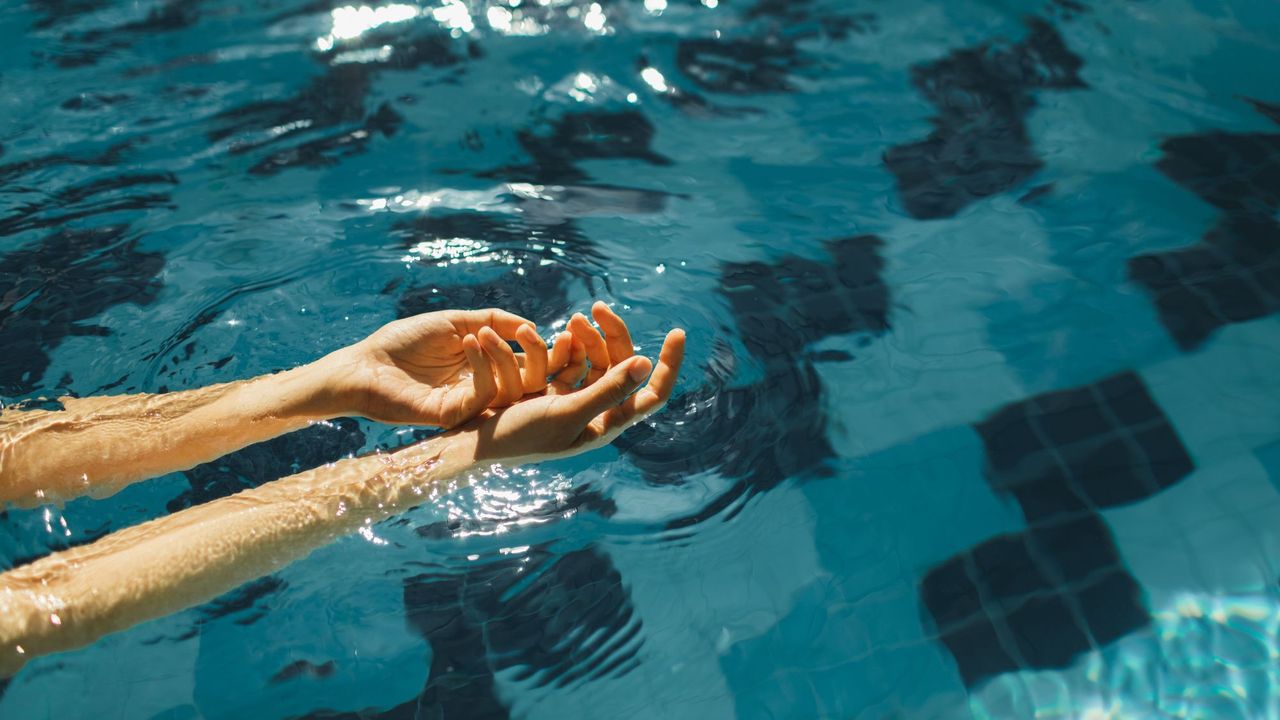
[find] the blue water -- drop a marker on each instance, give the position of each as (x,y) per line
(981,415)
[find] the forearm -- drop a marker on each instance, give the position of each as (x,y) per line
(97,446)
(70,599)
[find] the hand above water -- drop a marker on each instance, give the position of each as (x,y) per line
(441,368)
(569,418)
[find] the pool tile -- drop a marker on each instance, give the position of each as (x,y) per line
(1049,495)
(980,145)
(782,306)
(739,66)
(1074,550)
(1104,444)
(539,619)
(57,283)
(557,146)
(1038,598)
(950,595)
(1046,633)
(1003,569)
(978,652)
(1112,607)
(1216,532)
(1230,276)
(780,309)
(310,447)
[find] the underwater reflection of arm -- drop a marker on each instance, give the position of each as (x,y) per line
(73,597)
(420,370)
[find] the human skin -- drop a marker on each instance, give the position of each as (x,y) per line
(421,370)
(71,598)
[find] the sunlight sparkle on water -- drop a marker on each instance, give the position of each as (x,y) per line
(654,79)
(595,18)
(455,16)
(352,21)
(513,22)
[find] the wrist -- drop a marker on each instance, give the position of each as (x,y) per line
(456,450)
(304,393)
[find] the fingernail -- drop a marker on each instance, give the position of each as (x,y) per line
(637,371)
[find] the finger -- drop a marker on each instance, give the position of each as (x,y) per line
(504,323)
(616,337)
(597,351)
(535,359)
(510,386)
(483,385)
(611,390)
(561,350)
(663,380)
(576,370)
(604,428)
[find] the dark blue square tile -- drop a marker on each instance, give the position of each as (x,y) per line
(1112,607)
(978,652)
(1081,449)
(1047,634)
(949,594)
(1049,495)
(1166,457)
(1074,550)
(1109,473)
(1009,438)
(1005,572)
(1070,417)
(1128,399)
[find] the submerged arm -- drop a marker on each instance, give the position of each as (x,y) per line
(71,598)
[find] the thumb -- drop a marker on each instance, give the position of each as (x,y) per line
(610,390)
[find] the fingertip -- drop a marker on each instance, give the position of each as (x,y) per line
(529,333)
(674,342)
(639,368)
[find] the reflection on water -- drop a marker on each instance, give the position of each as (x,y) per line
(353,21)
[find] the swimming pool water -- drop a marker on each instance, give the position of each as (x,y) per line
(981,416)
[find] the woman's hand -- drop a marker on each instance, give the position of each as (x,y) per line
(581,343)
(566,421)
(441,368)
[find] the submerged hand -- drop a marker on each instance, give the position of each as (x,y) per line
(440,368)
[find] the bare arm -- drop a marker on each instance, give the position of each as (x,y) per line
(96,446)
(429,370)
(71,598)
